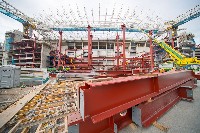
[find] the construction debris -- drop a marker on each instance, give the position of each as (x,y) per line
(49,107)
(161,126)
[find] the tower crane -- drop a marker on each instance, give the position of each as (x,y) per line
(30,24)
(27,22)
(180,20)
(175,55)
(186,17)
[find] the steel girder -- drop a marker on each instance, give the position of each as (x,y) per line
(146,113)
(197,76)
(108,106)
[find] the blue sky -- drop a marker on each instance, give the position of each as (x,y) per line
(166,9)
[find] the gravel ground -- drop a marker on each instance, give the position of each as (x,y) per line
(9,96)
(184,117)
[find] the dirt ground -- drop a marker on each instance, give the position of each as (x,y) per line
(9,96)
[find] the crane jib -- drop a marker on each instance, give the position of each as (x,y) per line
(167,47)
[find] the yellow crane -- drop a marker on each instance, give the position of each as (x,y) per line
(176,56)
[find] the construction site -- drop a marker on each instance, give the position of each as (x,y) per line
(98,68)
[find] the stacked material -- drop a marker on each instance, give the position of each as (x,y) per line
(10,96)
(48,109)
(33,76)
(9,76)
(1,54)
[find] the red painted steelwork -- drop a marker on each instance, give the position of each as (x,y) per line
(88,126)
(146,113)
(117,39)
(109,105)
(197,76)
(168,81)
(34,50)
(52,75)
(183,93)
(59,48)
(151,111)
(151,51)
(124,45)
(123,121)
(105,99)
(89,47)
(74,118)
(118,72)
(80,71)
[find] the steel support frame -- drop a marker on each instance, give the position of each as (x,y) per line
(151,51)
(117,42)
(117,72)
(34,50)
(59,48)
(102,103)
(124,45)
(89,47)
(197,76)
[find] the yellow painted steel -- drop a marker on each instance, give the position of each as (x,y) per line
(175,55)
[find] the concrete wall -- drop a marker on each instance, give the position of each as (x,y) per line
(44,53)
(104,48)
(142,50)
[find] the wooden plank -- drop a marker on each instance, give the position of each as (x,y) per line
(100,79)
(25,130)
(160,126)
(29,124)
(38,128)
(132,126)
(66,124)
(6,102)
(15,127)
(7,114)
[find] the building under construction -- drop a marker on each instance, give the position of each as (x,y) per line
(118,72)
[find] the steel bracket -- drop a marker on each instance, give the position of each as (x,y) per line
(136,115)
(82,106)
(189,93)
(115,128)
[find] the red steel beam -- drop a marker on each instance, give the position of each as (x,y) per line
(146,113)
(197,76)
(141,109)
(124,45)
(89,47)
(117,41)
(34,50)
(116,72)
(105,99)
(151,51)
